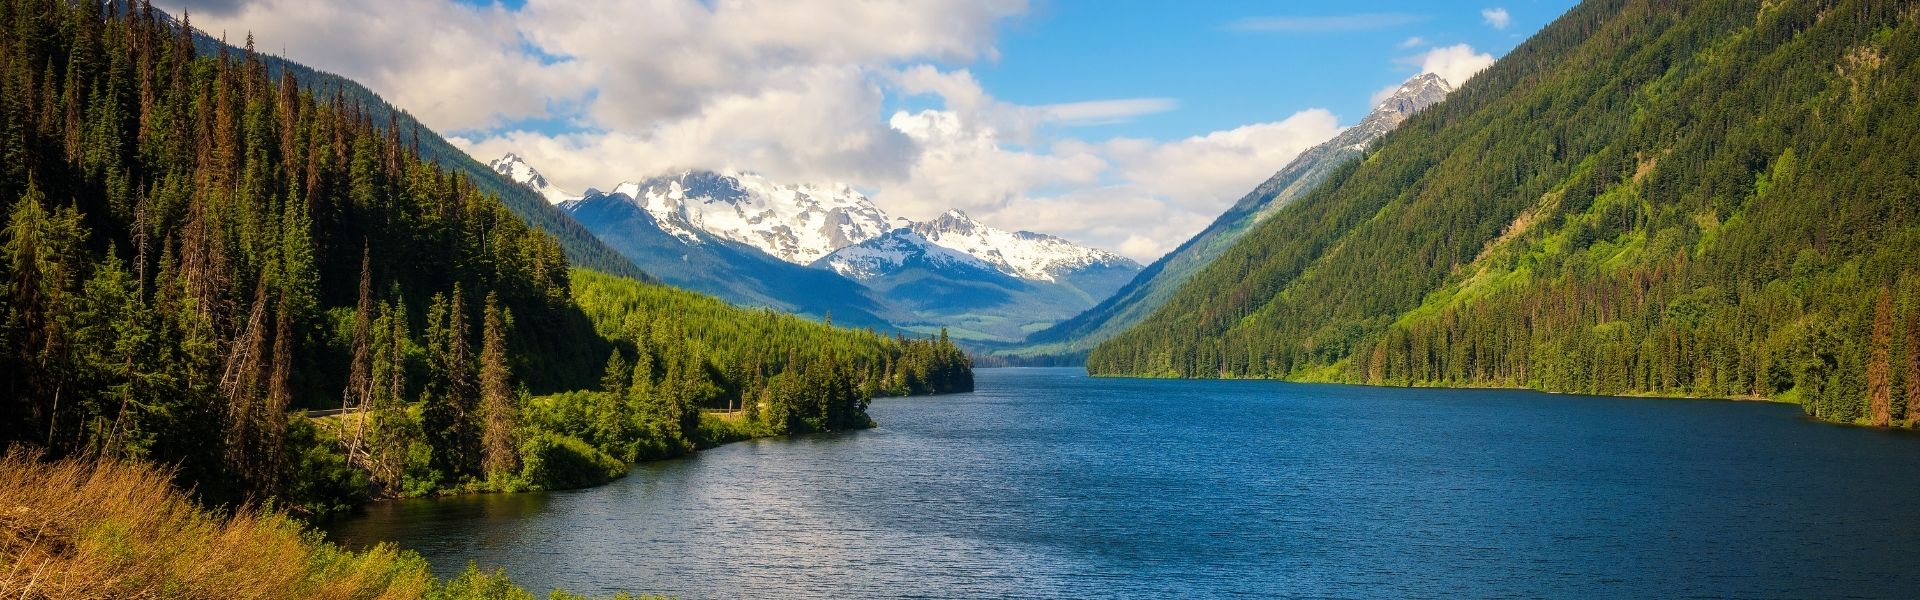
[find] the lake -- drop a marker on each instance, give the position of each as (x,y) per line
(1046,483)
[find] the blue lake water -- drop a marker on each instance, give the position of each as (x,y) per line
(1047,483)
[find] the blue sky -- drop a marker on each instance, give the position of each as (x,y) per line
(1123,125)
(1223,76)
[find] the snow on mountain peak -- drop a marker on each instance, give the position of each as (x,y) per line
(795,223)
(878,256)
(522,173)
(803,223)
(1022,254)
(1416,93)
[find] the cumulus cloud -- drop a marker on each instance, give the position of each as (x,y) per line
(664,59)
(796,89)
(455,66)
(1455,63)
(964,164)
(1496,17)
(1207,173)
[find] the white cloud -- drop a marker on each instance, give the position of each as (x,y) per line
(454,66)
(1097,112)
(795,89)
(1207,173)
(1496,17)
(1413,41)
(1455,63)
(810,123)
(663,59)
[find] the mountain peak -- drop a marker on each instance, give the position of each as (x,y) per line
(517,169)
(794,223)
(1022,254)
(1416,93)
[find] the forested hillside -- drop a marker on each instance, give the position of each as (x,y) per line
(194,250)
(1140,297)
(1698,198)
(580,245)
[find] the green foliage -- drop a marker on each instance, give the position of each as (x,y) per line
(198,248)
(319,480)
(475,584)
(736,351)
(1703,198)
(553,461)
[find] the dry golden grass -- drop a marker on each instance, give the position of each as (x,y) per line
(81,529)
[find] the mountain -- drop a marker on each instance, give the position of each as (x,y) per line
(795,223)
(189,270)
(678,250)
(1023,254)
(984,284)
(734,271)
(827,249)
(1151,288)
(580,246)
(512,167)
(1698,198)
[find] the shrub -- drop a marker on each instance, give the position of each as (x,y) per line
(553,461)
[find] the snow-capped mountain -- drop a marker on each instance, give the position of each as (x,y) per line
(1022,254)
(795,223)
(522,173)
(896,250)
(988,284)
(956,239)
(737,234)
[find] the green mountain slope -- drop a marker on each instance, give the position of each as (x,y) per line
(580,245)
(194,251)
(1703,198)
(1150,289)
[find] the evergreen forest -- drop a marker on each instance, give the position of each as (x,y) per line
(198,250)
(1716,198)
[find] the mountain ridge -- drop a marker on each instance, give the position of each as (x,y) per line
(1707,199)
(747,239)
(1134,301)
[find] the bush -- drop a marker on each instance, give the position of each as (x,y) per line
(80,529)
(317,479)
(552,461)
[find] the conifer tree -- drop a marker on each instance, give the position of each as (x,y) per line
(498,413)
(1879,364)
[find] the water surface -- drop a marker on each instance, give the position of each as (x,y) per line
(1047,483)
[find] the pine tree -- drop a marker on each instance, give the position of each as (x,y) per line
(1913,359)
(500,416)
(618,374)
(360,383)
(1879,367)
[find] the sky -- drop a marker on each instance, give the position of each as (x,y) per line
(1127,126)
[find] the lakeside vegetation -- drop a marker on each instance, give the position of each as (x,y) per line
(139,537)
(196,252)
(1703,199)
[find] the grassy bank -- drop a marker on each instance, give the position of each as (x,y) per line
(85,529)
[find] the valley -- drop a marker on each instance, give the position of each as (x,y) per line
(833,299)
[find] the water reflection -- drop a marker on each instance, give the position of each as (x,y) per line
(489,521)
